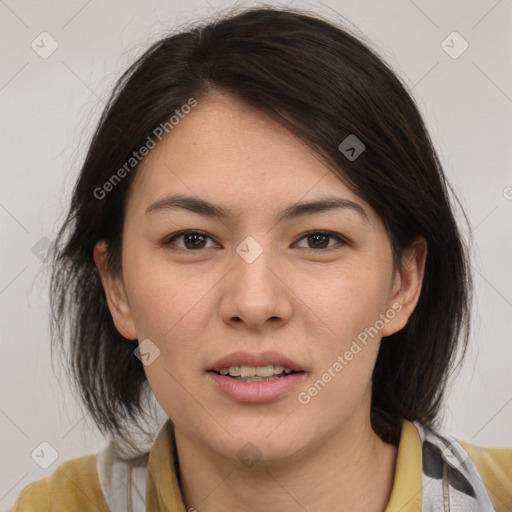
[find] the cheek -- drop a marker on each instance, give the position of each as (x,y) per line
(170,304)
(350,303)
(170,308)
(353,299)
(350,306)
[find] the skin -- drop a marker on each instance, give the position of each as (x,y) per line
(307,303)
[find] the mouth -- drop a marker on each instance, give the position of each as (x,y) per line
(246,373)
(254,367)
(256,378)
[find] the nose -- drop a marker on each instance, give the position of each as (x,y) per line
(254,292)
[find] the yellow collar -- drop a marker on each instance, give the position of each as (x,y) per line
(406,492)
(163,492)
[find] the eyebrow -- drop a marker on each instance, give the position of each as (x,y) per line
(203,207)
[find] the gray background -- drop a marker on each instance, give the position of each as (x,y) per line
(49,106)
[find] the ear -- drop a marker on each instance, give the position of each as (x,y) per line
(115,292)
(407,285)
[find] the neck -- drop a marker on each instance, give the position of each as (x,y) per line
(351,470)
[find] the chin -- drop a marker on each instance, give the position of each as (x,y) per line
(266,442)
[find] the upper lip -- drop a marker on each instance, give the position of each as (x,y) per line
(242,358)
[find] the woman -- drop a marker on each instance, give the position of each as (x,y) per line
(261,238)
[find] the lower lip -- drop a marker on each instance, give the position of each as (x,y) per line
(256,392)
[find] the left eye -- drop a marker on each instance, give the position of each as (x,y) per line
(195,240)
(320,238)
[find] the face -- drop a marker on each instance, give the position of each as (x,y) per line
(254,287)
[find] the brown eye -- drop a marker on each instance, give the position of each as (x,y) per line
(191,240)
(320,240)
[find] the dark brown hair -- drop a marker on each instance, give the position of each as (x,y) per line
(323,84)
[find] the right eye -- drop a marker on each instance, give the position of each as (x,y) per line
(192,240)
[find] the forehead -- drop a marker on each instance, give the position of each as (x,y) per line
(226,149)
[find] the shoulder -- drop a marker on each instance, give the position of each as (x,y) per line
(495,468)
(74,485)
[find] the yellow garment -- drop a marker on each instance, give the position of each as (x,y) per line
(75,487)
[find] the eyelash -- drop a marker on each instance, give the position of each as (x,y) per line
(342,241)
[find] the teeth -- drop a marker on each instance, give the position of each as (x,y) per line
(265,371)
(247,371)
(235,371)
(254,371)
(256,378)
